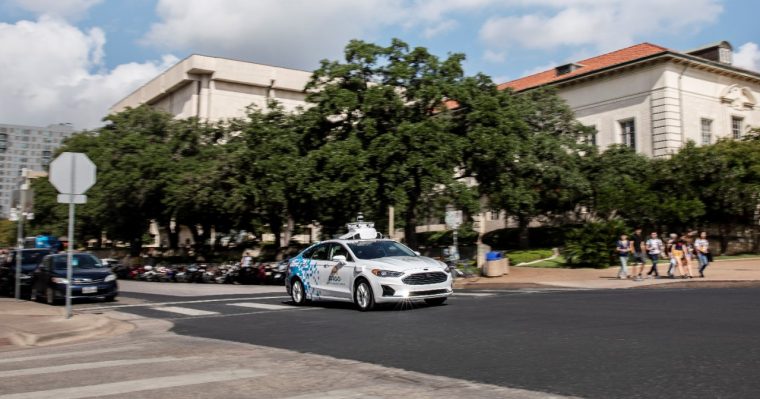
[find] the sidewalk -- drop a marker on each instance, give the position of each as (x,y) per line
(25,324)
(718,273)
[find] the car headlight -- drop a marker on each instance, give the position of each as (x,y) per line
(386,273)
(59,280)
(110,277)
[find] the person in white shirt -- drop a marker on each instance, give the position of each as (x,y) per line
(655,248)
(702,248)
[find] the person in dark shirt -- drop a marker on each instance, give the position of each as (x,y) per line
(637,252)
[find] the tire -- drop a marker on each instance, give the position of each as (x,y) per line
(364,298)
(435,301)
(110,298)
(298,292)
(35,297)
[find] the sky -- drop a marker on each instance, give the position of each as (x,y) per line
(70,60)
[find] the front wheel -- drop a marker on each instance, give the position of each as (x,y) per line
(363,297)
(435,301)
(298,293)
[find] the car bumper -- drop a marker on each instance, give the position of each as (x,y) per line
(87,290)
(394,290)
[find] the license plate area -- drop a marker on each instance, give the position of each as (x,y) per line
(89,290)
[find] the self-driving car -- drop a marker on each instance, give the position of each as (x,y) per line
(363,268)
(90,278)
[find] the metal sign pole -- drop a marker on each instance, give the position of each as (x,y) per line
(70,257)
(20,241)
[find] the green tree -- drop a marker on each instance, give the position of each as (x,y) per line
(381,114)
(526,151)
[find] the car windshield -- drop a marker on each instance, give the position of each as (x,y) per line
(78,262)
(378,249)
(32,257)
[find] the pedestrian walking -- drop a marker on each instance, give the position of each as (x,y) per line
(655,248)
(637,251)
(623,248)
(702,247)
(689,254)
(672,238)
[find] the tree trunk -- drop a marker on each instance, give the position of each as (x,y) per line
(276,226)
(723,230)
(173,235)
(410,229)
(523,237)
(287,235)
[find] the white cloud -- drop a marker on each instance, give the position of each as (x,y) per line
(68,9)
(57,74)
(496,57)
(439,28)
(748,57)
(604,24)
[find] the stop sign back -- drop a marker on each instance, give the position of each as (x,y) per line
(72,173)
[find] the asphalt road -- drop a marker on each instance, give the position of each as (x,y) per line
(665,343)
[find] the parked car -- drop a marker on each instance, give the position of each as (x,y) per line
(30,259)
(90,278)
(364,269)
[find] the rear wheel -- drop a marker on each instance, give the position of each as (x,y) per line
(110,298)
(363,297)
(297,292)
(50,297)
(435,301)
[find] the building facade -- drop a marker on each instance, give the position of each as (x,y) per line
(654,99)
(213,88)
(29,147)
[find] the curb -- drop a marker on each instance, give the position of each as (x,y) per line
(102,326)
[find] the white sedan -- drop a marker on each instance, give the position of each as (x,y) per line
(366,271)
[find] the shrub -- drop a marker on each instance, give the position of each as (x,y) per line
(593,244)
(540,237)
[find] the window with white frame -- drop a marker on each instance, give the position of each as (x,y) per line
(737,124)
(706,130)
(628,132)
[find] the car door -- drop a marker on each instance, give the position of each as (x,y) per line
(335,275)
(318,279)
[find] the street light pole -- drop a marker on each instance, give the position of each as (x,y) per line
(20,232)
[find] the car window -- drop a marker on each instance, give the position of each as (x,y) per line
(320,252)
(79,261)
(379,249)
(309,252)
(29,257)
(338,249)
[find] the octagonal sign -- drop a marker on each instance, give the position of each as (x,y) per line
(72,173)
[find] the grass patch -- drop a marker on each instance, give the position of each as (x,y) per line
(556,263)
(528,255)
(739,256)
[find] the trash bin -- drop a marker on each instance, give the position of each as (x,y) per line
(496,265)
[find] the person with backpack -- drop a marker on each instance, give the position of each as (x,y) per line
(623,249)
(669,253)
(654,249)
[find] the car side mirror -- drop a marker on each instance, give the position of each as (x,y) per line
(339,258)
(417,253)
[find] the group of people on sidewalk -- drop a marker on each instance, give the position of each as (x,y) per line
(682,251)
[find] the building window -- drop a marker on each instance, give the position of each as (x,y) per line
(736,126)
(495,215)
(46,157)
(3,142)
(706,131)
(628,131)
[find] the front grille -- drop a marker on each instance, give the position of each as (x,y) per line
(88,280)
(425,278)
(428,292)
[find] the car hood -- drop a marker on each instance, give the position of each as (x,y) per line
(403,263)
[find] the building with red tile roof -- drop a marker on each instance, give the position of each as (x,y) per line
(655,99)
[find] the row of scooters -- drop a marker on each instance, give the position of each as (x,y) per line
(229,273)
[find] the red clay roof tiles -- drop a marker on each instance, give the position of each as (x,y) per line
(601,61)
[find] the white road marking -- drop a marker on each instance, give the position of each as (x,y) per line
(151,304)
(87,366)
(261,306)
(184,311)
(479,294)
(337,394)
(147,384)
(57,355)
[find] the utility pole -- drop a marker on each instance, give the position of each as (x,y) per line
(22,214)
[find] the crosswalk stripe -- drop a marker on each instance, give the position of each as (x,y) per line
(261,306)
(86,366)
(57,355)
(151,304)
(472,294)
(147,384)
(185,311)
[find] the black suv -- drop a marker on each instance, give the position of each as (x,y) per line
(30,258)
